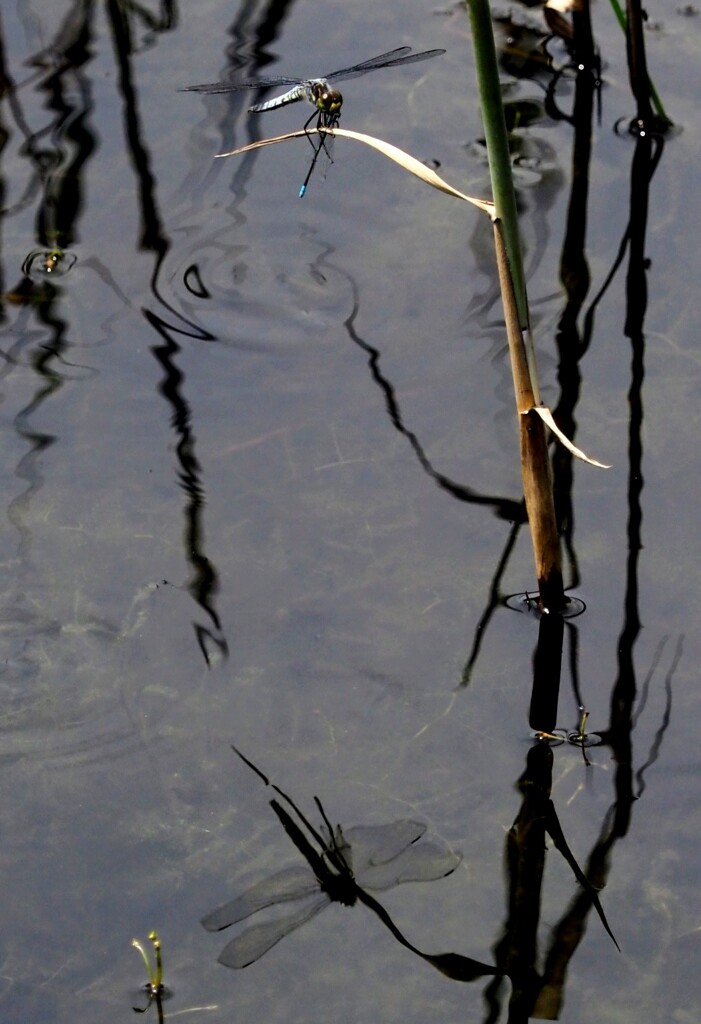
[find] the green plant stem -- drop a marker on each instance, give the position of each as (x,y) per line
(497,144)
(158,980)
(499,158)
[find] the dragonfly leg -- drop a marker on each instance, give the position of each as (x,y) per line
(323,120)
(308,133)
(317,149)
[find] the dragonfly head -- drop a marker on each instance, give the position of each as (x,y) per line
(326,99)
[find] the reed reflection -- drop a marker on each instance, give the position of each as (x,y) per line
(58,157)
(168,323)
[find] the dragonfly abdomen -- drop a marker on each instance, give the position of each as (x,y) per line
(299,92)
(316,91)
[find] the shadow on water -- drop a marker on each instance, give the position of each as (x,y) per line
(344,864)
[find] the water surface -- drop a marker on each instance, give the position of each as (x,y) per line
(260,472)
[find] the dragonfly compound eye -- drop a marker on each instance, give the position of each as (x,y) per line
(327,100)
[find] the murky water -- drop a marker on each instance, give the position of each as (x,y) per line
(260,475)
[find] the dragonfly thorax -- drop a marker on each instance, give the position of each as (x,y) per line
(340,888)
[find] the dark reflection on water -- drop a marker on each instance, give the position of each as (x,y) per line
(204,583)
(540,993)
(504,508)
(254,27)
(537,993)
(57,159)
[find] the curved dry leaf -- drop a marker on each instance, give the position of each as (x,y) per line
(414,166)
(260,143)
(547,418)
(405,160)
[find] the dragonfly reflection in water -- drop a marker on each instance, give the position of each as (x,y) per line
(326,100)
(345,863)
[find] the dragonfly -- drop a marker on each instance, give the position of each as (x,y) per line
(341,864)
(324,97)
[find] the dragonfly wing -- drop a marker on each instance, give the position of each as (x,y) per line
(392,59)
(422,863)
(371,845)
(290,884)
(252,943)
(244,83)
(371,63)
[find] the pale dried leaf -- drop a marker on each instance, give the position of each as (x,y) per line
(260,143)
(415,167)
(547,418)
(564,5)
(409,163)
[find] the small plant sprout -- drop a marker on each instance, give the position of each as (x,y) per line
(154,987)
(578,737)
(551,737)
